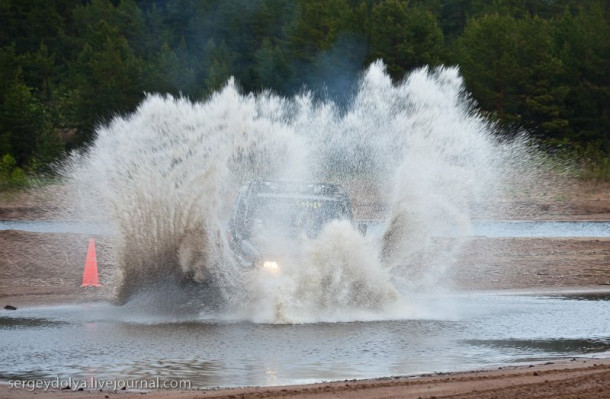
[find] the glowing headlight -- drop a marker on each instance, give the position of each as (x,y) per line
(271,266)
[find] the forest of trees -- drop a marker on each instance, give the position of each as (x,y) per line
(68,65)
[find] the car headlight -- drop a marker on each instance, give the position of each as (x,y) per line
(271,266)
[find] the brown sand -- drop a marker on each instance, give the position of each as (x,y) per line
(47,268)
(38,268)
(575,378)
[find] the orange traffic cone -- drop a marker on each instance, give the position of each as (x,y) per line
(90,274)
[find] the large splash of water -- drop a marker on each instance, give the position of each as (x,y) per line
(167,176)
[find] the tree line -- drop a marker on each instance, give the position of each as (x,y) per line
(67,65)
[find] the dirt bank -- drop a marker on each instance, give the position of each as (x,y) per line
(556,199)
(564,200)
(43,203)
(42,267)
(38,268)
(532,264)
(559,199)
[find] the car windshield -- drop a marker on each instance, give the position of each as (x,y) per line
(290,216)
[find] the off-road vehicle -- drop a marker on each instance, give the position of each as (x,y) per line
(270,216)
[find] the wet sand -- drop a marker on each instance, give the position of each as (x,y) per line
(573,378)
(42,268)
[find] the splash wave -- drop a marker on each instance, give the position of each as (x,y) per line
(168,173)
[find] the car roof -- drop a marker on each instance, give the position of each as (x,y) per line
(297,189)
(298,196)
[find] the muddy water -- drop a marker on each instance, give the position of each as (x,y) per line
(450,332)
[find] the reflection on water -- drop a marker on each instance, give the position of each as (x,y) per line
(480,228)
(55,226)
(106,342)
(541,229)
(526,229)
(547,347)
(17,323)
(594,296)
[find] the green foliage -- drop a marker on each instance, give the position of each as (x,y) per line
(405,37)
(21,119)
(583,42)
(318,26)
(8,165)
(67,66)
(271,67)
(587,162)
(11,176)
(594,165)
(107,76)
(219,70)
(511,69)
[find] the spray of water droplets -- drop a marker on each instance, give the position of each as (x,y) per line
(166,177)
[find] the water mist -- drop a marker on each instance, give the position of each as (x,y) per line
(166,177)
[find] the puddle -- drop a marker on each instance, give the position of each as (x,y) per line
(480,228)
(104,341)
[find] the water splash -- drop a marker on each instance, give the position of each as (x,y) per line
(168,174)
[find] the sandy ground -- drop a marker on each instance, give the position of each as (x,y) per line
(573,378)
(554,199)
(47,268)
(37,268)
